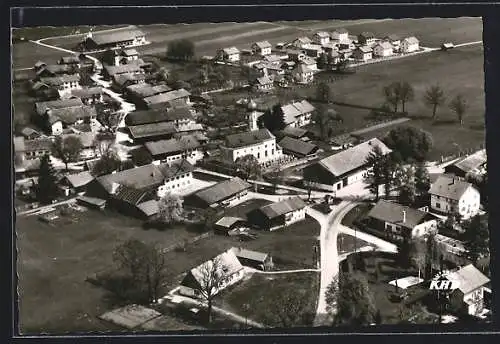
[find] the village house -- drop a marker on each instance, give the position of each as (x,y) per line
(76,183)
(228,269)
(89,144)
(366,38)
(297,148)
(474,164)
(59,119)
(253,259)
(142,133)
(451,195)
(383,49)
(468,298)
(32,149)
(186,147)
(321,37)
(29,133)
(341,35)
(64,84)
(71,60)
(303,74)
(344,168)
(171,99)
(276,215)
(263,84)
(259,143)
(296,55)
(363,53)
(410,45)
(222,194)
(282,81)
(182,118)
(301,41)
(231,54)
(43,91)
(453,250)
(49,71)
(120,57)
(121,81)
(114,39)
(399,222)
(178,177)
(109,72)
(395,40)
(313,50)
(227,224)
(298,114)
(262,48)
(138,92)
(89,95)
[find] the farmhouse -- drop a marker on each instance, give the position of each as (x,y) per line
(29,133)
(182,118)
(263,84)
(321,37)
(178,177)
(363,53)
(253,259)
(42,91)
(470,165)
(453,250)
(259,143)
(296,55)
(121,57)
(298,114)
(171,99)
(49,71)
(136,93)
(89,144)
(342,169)
(64,84)
(231,54)
(151,131)
(301,41)
(224,194)
(59,119)
(227,268)
(71,60)
(383,49)
(277,215)
(313,50)
(186,147)
(32,149)
(410,45)
(89,95)
(366,38)
(294,132)
(114,39)
(451,195)
(262,48)
(303,74)
(121,81)
(401,223)
(109,72)
(395,40)
(468,298)
(76,183)
(298,148)
(42,107)
(341,35)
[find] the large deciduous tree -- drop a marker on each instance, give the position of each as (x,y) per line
(476,237)
(67,149)
(181,49)
(248,166)
(422,179)
(211,279)
(392,95)
(273,119)
(410,143)
(434,97)
(406,94)
(108,161)
(375,176)
(459,106)
(170,208)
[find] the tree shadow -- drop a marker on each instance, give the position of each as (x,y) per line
(120,289)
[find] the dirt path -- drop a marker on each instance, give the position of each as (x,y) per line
(380,126)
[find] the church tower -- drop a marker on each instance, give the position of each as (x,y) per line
(252,116)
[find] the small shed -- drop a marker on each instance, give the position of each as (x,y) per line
(91,202)
(253,259)
(228,223)
(447,46)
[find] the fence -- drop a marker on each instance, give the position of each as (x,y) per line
(187,242)
(462,153)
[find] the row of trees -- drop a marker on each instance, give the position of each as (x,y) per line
(402,92)
(181,49)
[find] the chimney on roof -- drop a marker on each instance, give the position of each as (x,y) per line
(370,142)
(404,216)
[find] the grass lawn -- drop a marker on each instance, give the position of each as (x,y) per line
(26,54)
(347,243)
(54,261)
(242,209)
(34,33)
(253,297)
(356,213)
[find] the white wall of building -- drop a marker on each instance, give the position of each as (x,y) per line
(264,152)
(295,216)
(176,184)
(467,206)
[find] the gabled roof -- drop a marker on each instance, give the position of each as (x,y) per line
(231,50)
(172,146)
(38,144)
(27,131)
(472,162)
(248,138)
(130,52)
(393,213)
(264,80)
(322,34)
(56,69)
(60,80)
(149,208)
(80,179)
(42,107)
(152,129)
(364,49)
(250,255)
(468,278)
(293,110)
(228,221)
(138,178)
(167,97)
(72,114)
(312,46)
(263,44)
(449,187)
(228,265)
(411,40)
(367,35)
(129,194)
(72,59)
(122,69)
(223,190)
(176,168)
(121,79)
(352,158)
(340,30)
(158,115)
(385,45)
(146,90)
(274,210)
(116,36)
(297,146)
(294,132)
(304,40)
(87,92)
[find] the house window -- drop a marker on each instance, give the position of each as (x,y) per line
(438,206)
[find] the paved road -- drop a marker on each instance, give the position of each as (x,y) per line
(380,126)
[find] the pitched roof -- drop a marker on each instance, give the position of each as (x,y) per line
(42,107)
(263,44)
(147,90)
(340,30)
(87,92)
(27,131)
(149,208)
(297,146)
(121,79)
(286,206)
(411,40)
(80,179)
(364,49)
(393,37)
(130,52)
(72,114)
(468,278)
(393,213)
(264,80)
(122,69)
(55,69)
(250,255)
(304,40)
(152,129)
(352,158)
(138,178)
(228,221)
(157,116)
(69,59)
(116,36)
(322,34)
(87,138)
(248,138)
(312,46)
(231,50)
(167,97)
(176,168)
(472,162)
(294,132)
(37,144)
(449,187)
(172,146)
(385,45)
(91,200)
(61,79)
(222,190)
(129,195)
(367,35)
(228,265)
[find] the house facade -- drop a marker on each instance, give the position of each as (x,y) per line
(342,169)
(303,74)
(366,38)
(262,48)
(253,259)
(127,37)
(276,215)
(383,49)
(468,298)
(321,37)
(231,54)
(394,40)
(451,195)
(298,114)
(263,84)
(259,143)
(167,151)
(64,84)
(178,178)
(363,53)
(410,45)
(223,194)
(474,164)
(341,35)
(301,42)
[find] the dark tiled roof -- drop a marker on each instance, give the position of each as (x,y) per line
(149,208)
(146,90)
(129,195)
(72,114)
(449,187)
(152,129)
(248,138)
(80,179)
(297,146)
(157,116)
(176,168)
(393,213)
(55,69)
(352,158)
(123,69)
(138,178)
(294,132)
(263,44)
(37,144)
(472,162)
(274,210)
(42,107)
(223,190)
(87,92)
(121,79)
(172,146)
(167,97)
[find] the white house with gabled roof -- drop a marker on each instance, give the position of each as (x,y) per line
(231,54)
(321,37)
(383,49)
(410,45)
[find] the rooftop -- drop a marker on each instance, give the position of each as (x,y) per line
(228,221)
(472,162)
(146,90)
(274,210)
(231,50)
(149,208)
(248,138)
(116,36)
(122,69)
(157,116)
(79,179)
(87,92)
(38,145)
(469,278)
(167,97)
(263,44)
(121,79)
(152,129)
(297,146)
(222,190)
(172,146)
(55,69)
(411,40)
(176,168)
(138,178)
(393,213)
(72,114)
(449,187)
(250,255)
(60,80)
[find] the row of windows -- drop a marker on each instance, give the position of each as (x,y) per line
(179,177)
